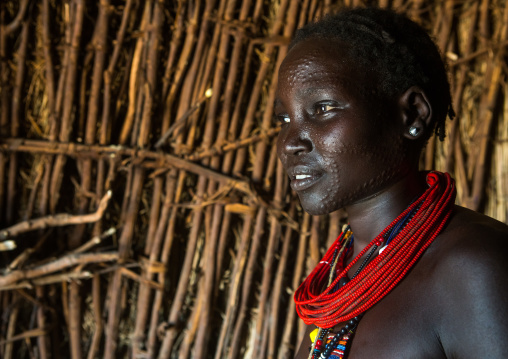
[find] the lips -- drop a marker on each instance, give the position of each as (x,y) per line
(303,177)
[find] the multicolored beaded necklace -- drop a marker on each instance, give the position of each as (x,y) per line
(402,244)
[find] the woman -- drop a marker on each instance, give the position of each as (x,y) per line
(414,276)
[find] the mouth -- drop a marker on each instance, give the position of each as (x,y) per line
(303,178)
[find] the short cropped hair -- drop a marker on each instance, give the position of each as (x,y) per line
(396,48)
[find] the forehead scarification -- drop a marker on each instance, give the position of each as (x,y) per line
(301,68)
(316,64)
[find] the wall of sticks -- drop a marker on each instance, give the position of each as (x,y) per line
(143,211)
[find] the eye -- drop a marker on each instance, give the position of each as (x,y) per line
(283,118)
(324,107)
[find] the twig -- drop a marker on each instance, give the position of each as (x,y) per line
(277,293)
(15,120)
(486,113)
(16,22)
(70,90)
(97,312)
(143,158)
(11,326)
(23,257)
(226,147)
(465,59)
(297,277)
(49,70)
(136,277)
(42,340)
(7,245)
(57,265)
(50,279)
(28,334)
(182,119)
(58,220)
(134,80)
(94,241)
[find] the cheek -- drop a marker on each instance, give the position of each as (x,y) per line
(331,142)
(359,170)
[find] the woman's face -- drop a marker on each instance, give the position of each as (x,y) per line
(340,142)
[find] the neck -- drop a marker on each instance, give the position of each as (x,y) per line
(370,216)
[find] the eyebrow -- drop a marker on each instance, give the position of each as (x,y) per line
(303,92)
(311,90)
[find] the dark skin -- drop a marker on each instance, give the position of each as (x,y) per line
(346,146)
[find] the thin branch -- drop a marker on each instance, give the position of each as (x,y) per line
(231,146)
(16,22)
(25,335)
(57,220)
(143,158)
(57,265)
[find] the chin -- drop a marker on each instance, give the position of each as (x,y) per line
(318,208)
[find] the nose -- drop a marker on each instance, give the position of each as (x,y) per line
(294,140)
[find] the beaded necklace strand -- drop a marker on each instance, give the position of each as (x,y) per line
(347,239)
(403,241)
(334,347)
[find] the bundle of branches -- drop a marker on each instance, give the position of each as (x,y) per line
(143,212)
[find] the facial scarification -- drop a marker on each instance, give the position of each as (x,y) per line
(389,156)
(339,142)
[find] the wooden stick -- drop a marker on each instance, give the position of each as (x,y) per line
(15,120)
(297,277)
(70,90)
(486,114)
(42,340)
(99,54)
(151,74)
(33,333)
(47,280)
(213,216)
(99,44)
(94,241)
(246,284)
(97,312)
(144,158)
(278,292)
(124,244)
(268,267)
(154,249)
(11,326)
(134,78)
(58,220)
(49,69)
(75,320)
(177,304)
(56,265)
(234,288)
(16,22)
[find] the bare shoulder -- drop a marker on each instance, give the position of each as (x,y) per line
(472,252)
(470,279)
(466,219)
(471,239)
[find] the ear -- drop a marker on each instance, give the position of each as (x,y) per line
(416,112)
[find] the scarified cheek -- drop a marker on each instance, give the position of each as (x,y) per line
(357,171)
(330,142)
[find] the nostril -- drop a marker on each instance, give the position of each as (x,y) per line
(297,146)
(294,138)
(298,152)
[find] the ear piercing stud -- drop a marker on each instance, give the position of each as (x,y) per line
(413,131)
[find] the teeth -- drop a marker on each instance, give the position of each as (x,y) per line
(302,176)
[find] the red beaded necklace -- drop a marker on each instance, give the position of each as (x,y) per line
(336,305)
